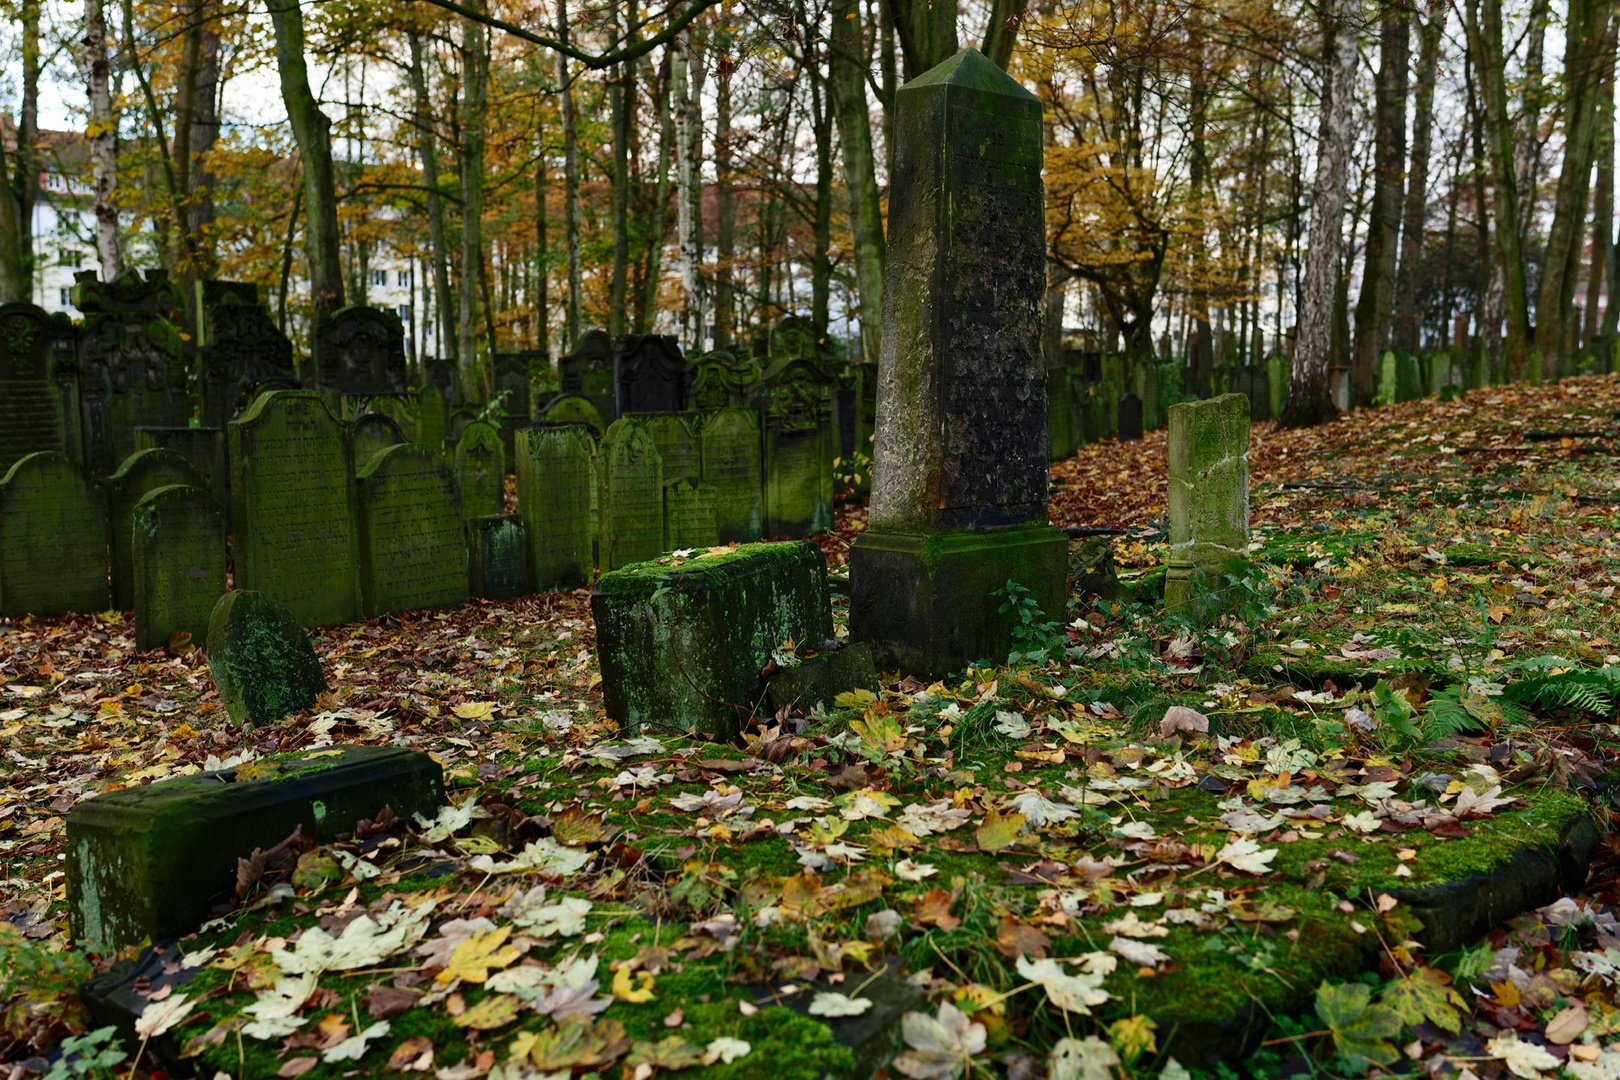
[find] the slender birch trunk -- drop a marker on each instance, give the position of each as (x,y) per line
(103,137)
(427,150)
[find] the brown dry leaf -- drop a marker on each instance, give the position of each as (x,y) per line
(413,1055)
(386,1001)
(297,1066)
(1180,718)
(1568,1025)
(933,908)
(1014,939)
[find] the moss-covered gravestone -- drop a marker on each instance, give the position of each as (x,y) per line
(498,557)
(798,444)
(432,417)
(413,553)
(630,496)
(677,445)
(556,475)
(30,417)
(53,539)
(1278,373)
(819,681)
(148,863)
(262,662)
(1209,493)
(481,469)
(293,520)
(373,432)
(178,544)
(962,459)
(689,520)
(575,407)
(681,643)
(728,449)
(588,372)
(204,449)
(142,472)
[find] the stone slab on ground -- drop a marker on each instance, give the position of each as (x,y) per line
(146,863)
(818,681)
(261,659)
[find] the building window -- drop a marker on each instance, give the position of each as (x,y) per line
(404,279)
(67,297)
(379,278)
(69,257)
(404,313)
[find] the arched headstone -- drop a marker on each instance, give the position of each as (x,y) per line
(556,475)
(480,466)
(141,472)
(178,543)
(728,448)
(630,520)
(30,420)
(53,539)
(413,553)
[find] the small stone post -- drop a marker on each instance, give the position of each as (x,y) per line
(1209,493)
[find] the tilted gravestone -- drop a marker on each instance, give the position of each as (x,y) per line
(681,645)
(565,408)
(720,380)
(556,475)
(498,557)
(30,419)
(798,445)
(959,491)
(149,862)
(359,352)
(413,553)
(630,496)
(204,449)
(1130,418)
(689,520)
(481,470)
(292,507)
(676,436)
(373,433)
(131,365)
(178,538)
(649,374)
(141,472)
(728,452)
(588,372)
(262,662)
(1208,504)
(240,351)
(53,539)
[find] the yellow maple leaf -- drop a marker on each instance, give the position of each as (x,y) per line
(624,990)
(473,958)
(473,710)
(998,830)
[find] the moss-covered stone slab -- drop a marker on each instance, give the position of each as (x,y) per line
(179,573)
(261,659)
(1208,505)
(498,557)
(141,472)
(729,449)
(481,469)
(689,516)
(147,863)
(682,643)
(413,553)
(556,481)
(630,515)
(819,681)
(53,539)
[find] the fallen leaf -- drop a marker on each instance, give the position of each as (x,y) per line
(1180,718)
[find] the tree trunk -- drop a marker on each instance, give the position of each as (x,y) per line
(475,76)
(1375,306)
(313,132)
(14,286)
(654,269)
(427,151)
(847,85)
(687,71)
(1408,324)
(1201,343)
(204,134)
(571,210)
(927,31)
(1001,31)
(28,163)
(1603,209)
(542,252)
(1309,399)
(821,122)
(725,304)
(103,137)
(618,96)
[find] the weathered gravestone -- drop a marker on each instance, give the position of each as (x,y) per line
(203,449)
(681,645)
(649,374)
(53,539)
(1409,382)
(555,477)
(441,375)
(359,352)
(240,350)
(513,376)
(588,372)
(141,472)
(1277,376)
(1130,418)
(1062,434)
(30,416)
(798,447)
(64,368)
(960,478)
(1101,412)
(1208,503)
(292,507)
(148,863)
(720,380)
(574,408)
(262,662)
(178,538)
(481,470)
(413,553)
(1252,383)
(630,496)
(676,436)
(455,424)
(432,418)
(373,433)
(689,520)
(728,452)
(498,555)
(794,337)
(131,367)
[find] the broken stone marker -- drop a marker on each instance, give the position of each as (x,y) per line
(261,659)
(1209,493)
(820,680)
(682,643)
(147,863)
(959,489)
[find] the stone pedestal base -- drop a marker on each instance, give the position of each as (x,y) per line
(928,604)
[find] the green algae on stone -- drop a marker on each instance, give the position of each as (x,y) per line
(179,564)
(498,552)
(261,659)
(689,517)
(566,407)
(630,487)
(141,472)
(728,452)
(481,469)
(53,539)
(1208,504)
(556,481)
(413,553)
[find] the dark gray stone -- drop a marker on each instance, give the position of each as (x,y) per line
(649,374)
(818,681)
(359,352)
(261,659)
(498,567)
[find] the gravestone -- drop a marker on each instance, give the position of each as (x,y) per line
(1409,383)
(179,572)
(1061,435)
(513,374)
(960,479)
(359,352)
(441,375)
(689,519)
(866,381)
(1102,411)
(728,451)
(588,372)
(413,553)
(649,374)
(240,351)
(844,416)
(1208,504)
(455,424)
(498,553)
(681,646)
(131,363)
(794,337)
(203,449)
(630,496)
(555,479)
(720,380)
(819,681)
(148,862)
(53,539)
(798,446)
(64,369)
(294,532)
(570,408)
(262,662)
(1149,387)
(372,433)
(677,444)
(1277,376)
(481,470)
(1388,379)
(1252,383)
(1130,418)
(432,418)
(30,419)
(141,472)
